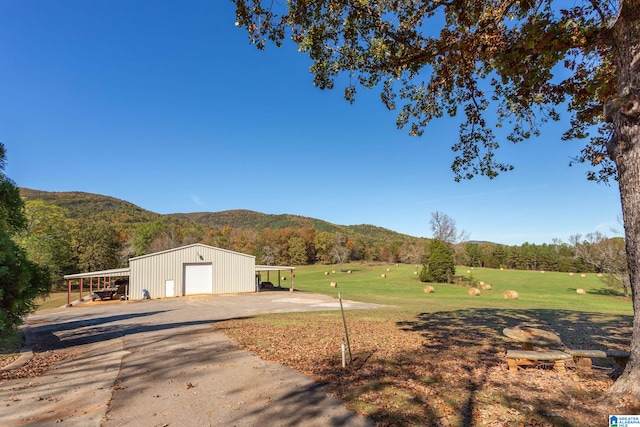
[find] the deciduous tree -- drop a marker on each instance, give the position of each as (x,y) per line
(339,250)
(46,238)
(520,60)
(606,256)
(444,229)
(297,251)
(269,254)
(144,235)
(324,243)
(96,245)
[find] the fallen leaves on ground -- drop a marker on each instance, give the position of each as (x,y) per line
(7,360)
(39,364)
(442,373)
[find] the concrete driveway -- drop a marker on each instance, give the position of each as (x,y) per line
(160,363)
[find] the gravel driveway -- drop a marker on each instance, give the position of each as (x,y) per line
(160,363)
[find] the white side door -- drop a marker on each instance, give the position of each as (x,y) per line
(170,288)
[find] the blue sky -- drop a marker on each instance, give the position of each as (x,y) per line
(166,105)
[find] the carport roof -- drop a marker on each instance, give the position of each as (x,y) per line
(273,268)
(115,272)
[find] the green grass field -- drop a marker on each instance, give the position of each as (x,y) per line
(402,288)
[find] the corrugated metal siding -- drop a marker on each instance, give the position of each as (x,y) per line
(232,271)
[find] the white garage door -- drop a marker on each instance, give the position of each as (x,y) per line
(198,279)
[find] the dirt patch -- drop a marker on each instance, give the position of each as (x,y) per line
(442,369)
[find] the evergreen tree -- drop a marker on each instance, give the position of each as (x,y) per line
(439,266)
(21,281)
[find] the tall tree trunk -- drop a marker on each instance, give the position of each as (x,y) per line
(625,151)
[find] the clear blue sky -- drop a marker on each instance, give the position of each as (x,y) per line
(166,105)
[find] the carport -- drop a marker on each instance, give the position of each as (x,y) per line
(277,268)
(103,280)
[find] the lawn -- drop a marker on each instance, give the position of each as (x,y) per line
(58,299)
(438,359)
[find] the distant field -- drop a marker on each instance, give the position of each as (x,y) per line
(402,288)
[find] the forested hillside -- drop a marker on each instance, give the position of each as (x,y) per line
(95,206)
(250,220)
(122,213)
(74,231)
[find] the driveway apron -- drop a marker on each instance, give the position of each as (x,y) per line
(162,363)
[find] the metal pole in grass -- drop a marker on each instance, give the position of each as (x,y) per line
(346,333)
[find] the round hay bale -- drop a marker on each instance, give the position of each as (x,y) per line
(581,291)
(334,284)
(468,271)
(599,274)
(481,283)
(474,292)
(571,274)
(284,277)
(501,268)
(349,272)
(388,269)
(583,275)
(428,289)
(333,272)
(486,287)
(383,275)
(542,271)
(415,272)
(326,273)
(510,295)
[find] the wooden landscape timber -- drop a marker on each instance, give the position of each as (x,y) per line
(517,358)
(582,358)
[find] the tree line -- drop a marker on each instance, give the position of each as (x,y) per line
(64,244)
(592,253)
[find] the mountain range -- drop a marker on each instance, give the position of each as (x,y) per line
(127,215)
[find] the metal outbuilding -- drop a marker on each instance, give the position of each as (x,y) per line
(189,270)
